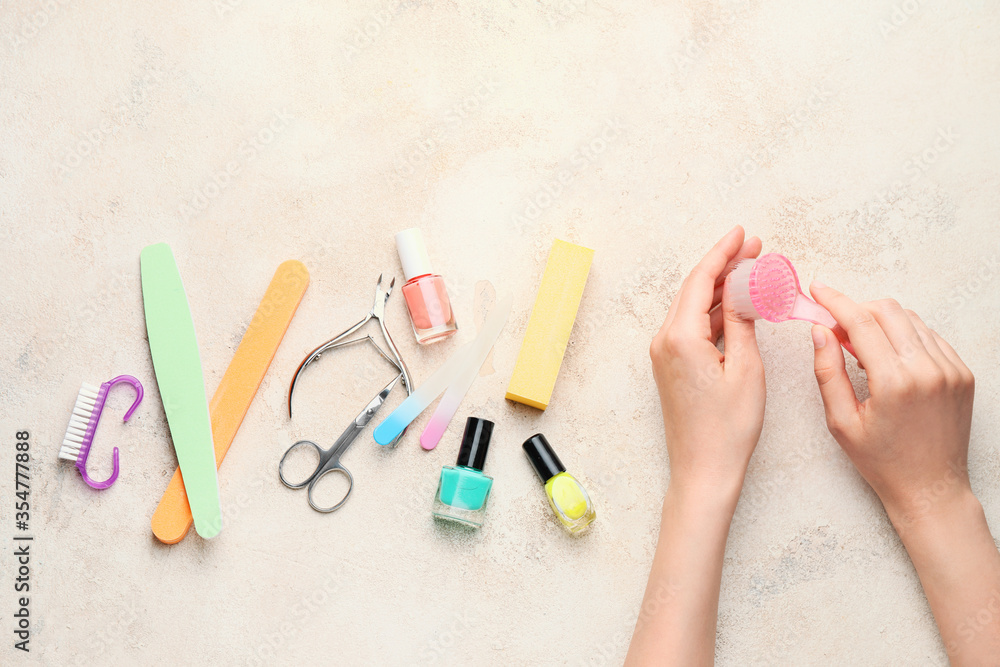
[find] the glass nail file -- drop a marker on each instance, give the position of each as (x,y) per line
(472,354)
(174,349)
(456,391)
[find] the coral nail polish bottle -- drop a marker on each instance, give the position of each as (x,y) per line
(567,497)
(424,292)
(464,489)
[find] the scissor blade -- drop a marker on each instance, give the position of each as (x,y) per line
(365,416)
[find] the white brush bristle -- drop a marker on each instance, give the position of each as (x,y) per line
(78,422)
(69,451)
(739,290)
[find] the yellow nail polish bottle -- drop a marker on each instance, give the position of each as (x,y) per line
(567,497)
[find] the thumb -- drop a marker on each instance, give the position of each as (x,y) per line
(740,334)
(835,386)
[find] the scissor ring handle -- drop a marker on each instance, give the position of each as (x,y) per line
(319,464)
(341,470)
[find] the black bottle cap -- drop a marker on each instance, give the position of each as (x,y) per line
(542,457)
(475,442)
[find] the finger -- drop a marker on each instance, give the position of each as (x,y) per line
(672,311)
(697,293)
(716,321)
(839,399)
(741,336)
(899,330)
(944,346)
(751,249)
(873,348)
(930,343)
(952,355)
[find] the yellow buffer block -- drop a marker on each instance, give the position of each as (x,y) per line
(550,324)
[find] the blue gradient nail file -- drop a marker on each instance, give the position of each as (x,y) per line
(417,402)
(472,354)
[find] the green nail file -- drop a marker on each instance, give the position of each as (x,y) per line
(174,348)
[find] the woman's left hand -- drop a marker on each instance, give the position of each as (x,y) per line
(713,403)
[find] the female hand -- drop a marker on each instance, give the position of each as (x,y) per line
(910,439)
(713,403)
(713,412)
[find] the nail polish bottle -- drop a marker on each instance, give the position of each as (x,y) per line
(464,489)
(567,497)
(424,292)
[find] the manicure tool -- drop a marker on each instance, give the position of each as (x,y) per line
(550,324)
(456,371)
(329,459)
(172,518)
(454,394)
(83,424)
(768,288)
(377,313)
(174,349)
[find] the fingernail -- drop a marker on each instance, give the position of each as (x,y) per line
(819,338)
(818,285)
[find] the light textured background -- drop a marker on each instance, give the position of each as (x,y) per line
(859,138)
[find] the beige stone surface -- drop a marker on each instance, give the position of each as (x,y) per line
(859,138)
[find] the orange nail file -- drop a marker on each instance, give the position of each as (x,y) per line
(172,518)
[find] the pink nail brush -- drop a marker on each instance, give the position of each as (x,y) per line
(768,289)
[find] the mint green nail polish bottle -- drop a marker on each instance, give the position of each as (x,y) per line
(464,489)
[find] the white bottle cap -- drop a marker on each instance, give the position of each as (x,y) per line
(412,253)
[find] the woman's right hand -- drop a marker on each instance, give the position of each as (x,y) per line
(910,439)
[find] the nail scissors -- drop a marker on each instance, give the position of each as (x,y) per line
(329,459)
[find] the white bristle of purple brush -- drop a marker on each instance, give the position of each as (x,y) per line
(78,422)
(739,290)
